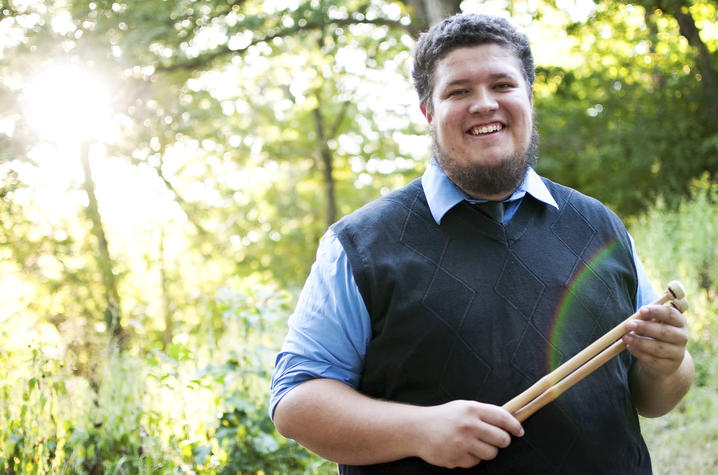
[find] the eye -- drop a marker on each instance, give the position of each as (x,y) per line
(457,92)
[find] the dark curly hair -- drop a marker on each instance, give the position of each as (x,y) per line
(465,30)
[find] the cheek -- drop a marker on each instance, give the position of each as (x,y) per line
(437,124)
(446,118)
(525,119)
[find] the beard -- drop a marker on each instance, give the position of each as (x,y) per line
(480,181)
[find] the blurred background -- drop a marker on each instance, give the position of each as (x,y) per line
(167,168)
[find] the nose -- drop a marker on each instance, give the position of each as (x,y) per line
(483,101)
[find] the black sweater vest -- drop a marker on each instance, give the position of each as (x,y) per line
(470,309)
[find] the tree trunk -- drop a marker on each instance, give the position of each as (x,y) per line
(687,28)
(327,167)
(104,261)
(168,314)
(426,13)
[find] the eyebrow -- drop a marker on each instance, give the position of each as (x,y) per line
(492,76)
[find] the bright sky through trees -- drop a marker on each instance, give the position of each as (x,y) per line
(66,107)
(64,104)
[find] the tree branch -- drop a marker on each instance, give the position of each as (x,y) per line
(327,164)
(204,60)
(338,122)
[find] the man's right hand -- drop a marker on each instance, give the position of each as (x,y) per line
(343,425)
(463,433)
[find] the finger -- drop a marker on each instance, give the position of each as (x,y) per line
(501,418)
(658,331)
(648,348)
(656,363)
(467,460)
(484,451)
(656,356)
(662,313)
(492,435)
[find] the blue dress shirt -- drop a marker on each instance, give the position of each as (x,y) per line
(330,327)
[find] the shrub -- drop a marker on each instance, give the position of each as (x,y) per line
(681,243)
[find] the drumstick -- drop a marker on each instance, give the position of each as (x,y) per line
(557,389)
(584,370)
(674,292)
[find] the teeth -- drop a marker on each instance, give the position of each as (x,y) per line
(486,129)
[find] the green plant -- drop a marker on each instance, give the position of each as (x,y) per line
(680,243)
(199,406)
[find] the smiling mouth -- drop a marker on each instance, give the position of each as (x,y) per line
(485,129)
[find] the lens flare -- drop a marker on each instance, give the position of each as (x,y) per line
(569,306)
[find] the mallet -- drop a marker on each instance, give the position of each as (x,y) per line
(585,362)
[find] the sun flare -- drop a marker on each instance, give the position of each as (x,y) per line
(64,104)
(69,113)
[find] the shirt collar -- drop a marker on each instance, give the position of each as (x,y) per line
(442,194)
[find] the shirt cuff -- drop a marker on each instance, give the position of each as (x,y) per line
(291,370)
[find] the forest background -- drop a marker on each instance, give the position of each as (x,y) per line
(167,168)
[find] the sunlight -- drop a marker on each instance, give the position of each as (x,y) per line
(64,104)
(66,107)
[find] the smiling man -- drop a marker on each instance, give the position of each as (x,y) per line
(428,309)
(480,117)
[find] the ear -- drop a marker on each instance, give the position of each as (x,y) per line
(426,113)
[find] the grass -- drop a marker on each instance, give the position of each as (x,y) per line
(685,441)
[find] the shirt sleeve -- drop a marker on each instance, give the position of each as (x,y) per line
(329,329)
(645,293)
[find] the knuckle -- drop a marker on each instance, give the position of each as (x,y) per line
(491,453)
(683,338)
(465,427)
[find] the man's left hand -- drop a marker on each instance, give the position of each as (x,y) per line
(658,338)
(664,370)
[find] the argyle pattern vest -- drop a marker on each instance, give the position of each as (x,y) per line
(471,309)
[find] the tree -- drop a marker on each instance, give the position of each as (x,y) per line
(633,120)
(426,13)
(297,115)
(258,125)
(681,10)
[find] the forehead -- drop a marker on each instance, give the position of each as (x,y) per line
(469,62)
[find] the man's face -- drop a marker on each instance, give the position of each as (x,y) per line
(481,120)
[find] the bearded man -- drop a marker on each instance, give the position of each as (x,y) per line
(430,307)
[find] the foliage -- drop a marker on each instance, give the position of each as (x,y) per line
(239,131)
(199,406)
(680,243)
(247,127)
(194,408)
(225,113)
(629,123)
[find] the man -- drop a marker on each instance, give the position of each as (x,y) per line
(431,307)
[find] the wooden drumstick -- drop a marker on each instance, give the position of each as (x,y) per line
(675,292)
(584,370)
(680,304)
(557,389)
